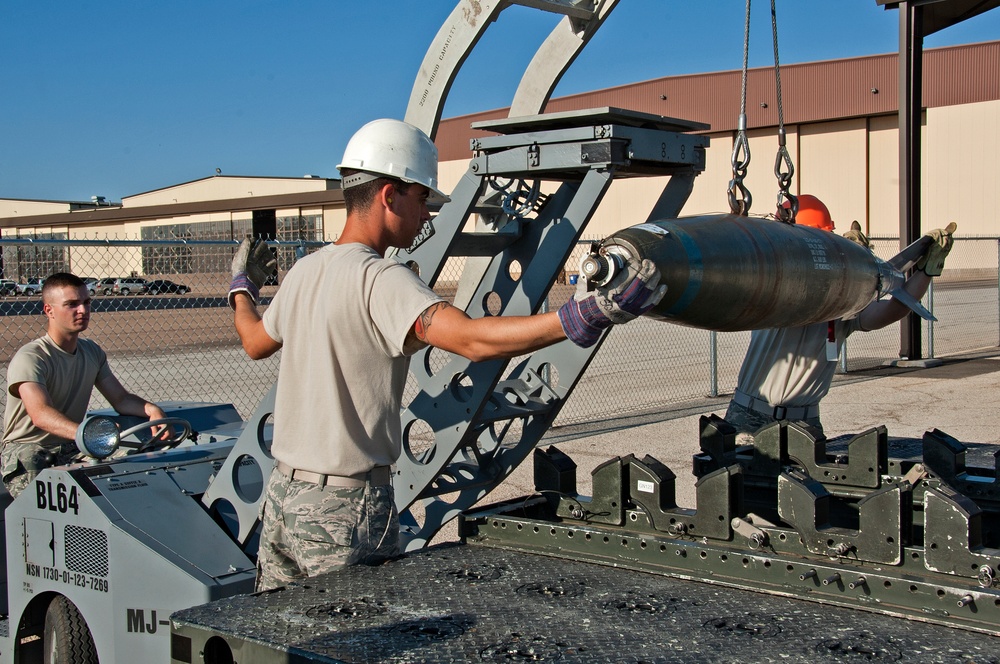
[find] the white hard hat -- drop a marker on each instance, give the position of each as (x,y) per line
(395,149)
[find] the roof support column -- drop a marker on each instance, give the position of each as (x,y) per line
(910,109)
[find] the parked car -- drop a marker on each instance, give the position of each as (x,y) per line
(8,287)
(158,286)
(129,286)
(106,285)
(92,284)
(31,287)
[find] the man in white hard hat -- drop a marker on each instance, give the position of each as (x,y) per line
(347,320)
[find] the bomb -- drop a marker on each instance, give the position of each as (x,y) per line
(730,273)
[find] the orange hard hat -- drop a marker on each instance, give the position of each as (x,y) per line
(812,212)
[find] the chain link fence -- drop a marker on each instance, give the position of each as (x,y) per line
(177,342)
(159,311)
(964,299)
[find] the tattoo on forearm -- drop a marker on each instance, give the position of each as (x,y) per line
(423,323)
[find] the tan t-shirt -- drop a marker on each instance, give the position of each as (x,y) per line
(789,366)
(342,315)
(68,378)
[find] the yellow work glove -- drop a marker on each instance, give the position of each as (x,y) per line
(855,235)
(932,262)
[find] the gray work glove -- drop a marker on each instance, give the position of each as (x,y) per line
(932,262)
(589,313)
(857,236)
(252,265)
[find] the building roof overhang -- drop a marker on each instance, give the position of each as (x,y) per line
(941,14)
(173,210)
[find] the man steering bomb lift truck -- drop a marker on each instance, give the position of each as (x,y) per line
(101,555)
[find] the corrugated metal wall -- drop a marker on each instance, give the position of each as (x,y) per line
(813,92)
(841,137)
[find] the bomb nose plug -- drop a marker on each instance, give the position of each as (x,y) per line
(602,265)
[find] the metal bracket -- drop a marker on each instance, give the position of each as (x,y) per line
(884,517)
(953,536)
(717,441)
(651,488)
(782,443)
(867,456)
(610,491)
(944,458)
(250,460)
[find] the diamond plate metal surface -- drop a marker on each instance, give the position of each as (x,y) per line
(470,603)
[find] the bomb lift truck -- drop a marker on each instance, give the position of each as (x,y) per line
(100,555)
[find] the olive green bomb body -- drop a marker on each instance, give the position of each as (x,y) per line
(730,273)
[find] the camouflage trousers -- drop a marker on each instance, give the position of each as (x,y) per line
(20,463)
(308,529)
(748,421)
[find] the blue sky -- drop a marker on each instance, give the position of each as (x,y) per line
(118,97)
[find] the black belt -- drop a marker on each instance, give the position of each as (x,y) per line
(777,412)
(377,476)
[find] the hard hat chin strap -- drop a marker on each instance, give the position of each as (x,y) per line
(356,179)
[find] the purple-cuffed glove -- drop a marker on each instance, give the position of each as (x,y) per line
(252,265)
(588,313)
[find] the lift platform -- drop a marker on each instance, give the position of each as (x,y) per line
(889,557)
(477,603)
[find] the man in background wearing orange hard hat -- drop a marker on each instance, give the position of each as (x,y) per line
(787,371)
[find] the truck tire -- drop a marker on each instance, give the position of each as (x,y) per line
(67,639)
